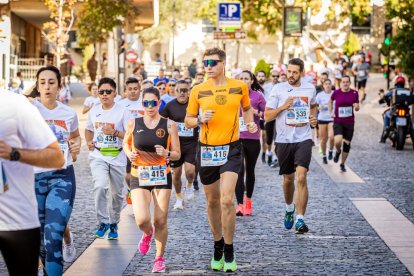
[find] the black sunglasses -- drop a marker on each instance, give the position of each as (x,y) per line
(105,91)
(275,76)
(172,85)
(183,90)
(211,62)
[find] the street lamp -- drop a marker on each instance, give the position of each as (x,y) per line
(173,36)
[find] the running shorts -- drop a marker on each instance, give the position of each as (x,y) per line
(134,184)
(291,155)
(346,130)
(270,132)
(188,154)
(362,84)
(320,122)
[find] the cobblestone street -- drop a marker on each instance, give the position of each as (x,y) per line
(340,241)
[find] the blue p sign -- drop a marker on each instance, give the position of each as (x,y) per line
(229,15)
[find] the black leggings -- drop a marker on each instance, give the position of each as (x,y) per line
(270,132)
(20,250)
(250,153)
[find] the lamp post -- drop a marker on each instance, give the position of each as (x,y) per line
(173,36)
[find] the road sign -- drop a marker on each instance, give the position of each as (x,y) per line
(229,15)
(131,56)
(230,35)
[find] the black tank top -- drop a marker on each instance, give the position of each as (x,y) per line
(145,140)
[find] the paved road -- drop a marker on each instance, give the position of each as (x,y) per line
(340,240)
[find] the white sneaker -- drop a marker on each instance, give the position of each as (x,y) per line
(40,271)
(189,193)
(69,250)
(179,204)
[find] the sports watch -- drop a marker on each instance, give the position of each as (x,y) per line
(14,155)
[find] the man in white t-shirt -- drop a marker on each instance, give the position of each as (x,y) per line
(293,105)
(132,103)
(104,132)
(25,141)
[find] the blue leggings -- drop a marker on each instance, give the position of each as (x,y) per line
(55,193)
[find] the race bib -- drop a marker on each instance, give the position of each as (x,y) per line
(152,175)
(104,141)
(183,131)
(214,156)
(242,125)
(299,112)
(344,112)
(361,73)
(64,147)
(3,180)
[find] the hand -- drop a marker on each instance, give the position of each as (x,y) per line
(288,103)
(256,112)
(333,114)
(313,121)
(251,127)
(161,151)
(5,150)
(108,130)
(321,107)
(132,156)
(91,145)
(207,116)
(74,147)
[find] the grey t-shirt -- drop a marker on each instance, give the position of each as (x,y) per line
(362,71)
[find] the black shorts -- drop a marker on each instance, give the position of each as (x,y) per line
(134,184)
(362,84)
(291,155)
(346,130)
(262,124)
(320,122)
(270,132)
(128,166)
(209,175)
(188,154)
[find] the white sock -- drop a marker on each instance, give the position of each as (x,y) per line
(268,153)
(299,217)
(290,207)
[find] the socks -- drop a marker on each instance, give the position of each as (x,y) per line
(218,249)
(189,185)
(290,207)
(179,196)
(298,217)
(228,253)
(268,153)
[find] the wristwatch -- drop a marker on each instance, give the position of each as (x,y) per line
(14,155)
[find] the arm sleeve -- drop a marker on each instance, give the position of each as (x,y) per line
(273,99)
(245,101)
(193,104)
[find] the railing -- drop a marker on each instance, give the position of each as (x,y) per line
(29,66)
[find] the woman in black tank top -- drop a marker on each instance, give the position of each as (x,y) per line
(150,143)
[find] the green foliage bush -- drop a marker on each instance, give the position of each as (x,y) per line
(352,44)
(263,66)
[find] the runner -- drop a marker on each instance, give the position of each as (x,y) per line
(293,105)
(147,144)
(270,126)
(132,103)
(171,93)
(361,72)
(176,110)
(161,86)
(25,141)
(103,134)
(55,189)
(261,79)
(325,121)
(161,77)
(250,145)
(92,100)
(146,84)
(346,101)
(219,99)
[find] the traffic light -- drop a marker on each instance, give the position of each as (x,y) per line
(387,33)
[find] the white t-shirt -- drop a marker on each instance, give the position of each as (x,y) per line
(305,95)
(134,107)
(117,98)
(267,88)
(62,120)
(118,118)
(323,99)
(21,126)
(91,101)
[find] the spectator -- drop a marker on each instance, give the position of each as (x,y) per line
(161,77)
(92,66)
(192,69)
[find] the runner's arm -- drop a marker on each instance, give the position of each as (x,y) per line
(330,107)
(128,138)
(89,139)
(175,153)
(191,121)
(248,115)
(49,157)
(86,109)
(75,142)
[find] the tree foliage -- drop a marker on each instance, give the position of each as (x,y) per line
(262,66)
(352,44)
(99,17)
(402,12)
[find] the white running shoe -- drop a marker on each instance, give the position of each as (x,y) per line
(40,271)
(189,193)
(179,204)
(69,250)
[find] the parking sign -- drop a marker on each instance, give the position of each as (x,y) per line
(229,15)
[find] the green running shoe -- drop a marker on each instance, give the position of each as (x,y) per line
(217,265)
(289,218)
(230,267)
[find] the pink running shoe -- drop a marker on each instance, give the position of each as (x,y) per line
(145,243)
(248,208)
(159,265)
(240,210)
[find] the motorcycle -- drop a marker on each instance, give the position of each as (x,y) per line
(400,123)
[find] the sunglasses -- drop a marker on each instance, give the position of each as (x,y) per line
(183,90)
(152,103)
(211,62)
(105,91)
(172,85)
(275,76)
(161,87)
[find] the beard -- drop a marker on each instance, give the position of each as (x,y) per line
(293,81)
(261,81)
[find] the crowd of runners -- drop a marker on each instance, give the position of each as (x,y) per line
(161,131)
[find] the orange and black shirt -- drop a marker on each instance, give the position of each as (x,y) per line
(226,100)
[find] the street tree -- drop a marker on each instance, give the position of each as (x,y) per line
(402,12)
(56,31)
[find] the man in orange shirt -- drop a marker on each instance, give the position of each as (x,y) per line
(215,105)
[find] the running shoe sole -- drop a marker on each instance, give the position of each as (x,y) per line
(217,265)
